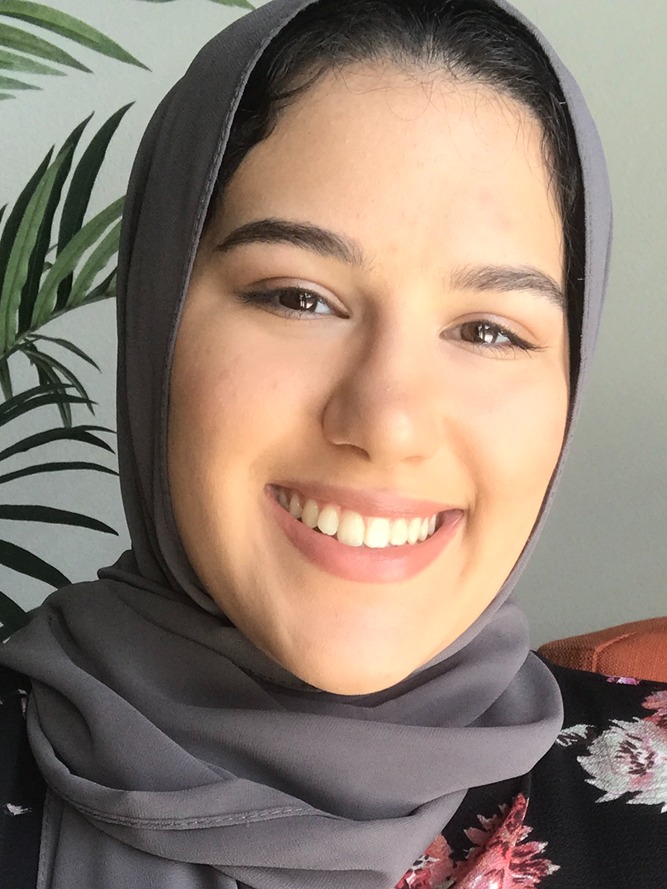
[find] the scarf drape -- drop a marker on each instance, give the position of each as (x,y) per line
(176,753)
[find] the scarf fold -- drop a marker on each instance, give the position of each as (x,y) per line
(176,753)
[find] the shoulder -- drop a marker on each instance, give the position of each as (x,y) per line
(596,700)
(600,793)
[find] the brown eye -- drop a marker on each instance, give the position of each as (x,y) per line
(296,300)
(492,338)
(483,333)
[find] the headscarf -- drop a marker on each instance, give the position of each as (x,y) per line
(176,753)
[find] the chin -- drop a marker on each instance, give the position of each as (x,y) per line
(343,675)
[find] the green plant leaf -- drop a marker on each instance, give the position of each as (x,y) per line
(76,433)
(11,61)
(9,232)
(47,377)
(18,264)
(69,258)
(67,26)
(12,617)
(38,396)
(66,345)
(9,83)
(24,562)
(52,516)
(43,241)
(32,45)
(104,290)
(239,4)
(80,189)
(55,467)
(96,262)
(5,380)
(41,359)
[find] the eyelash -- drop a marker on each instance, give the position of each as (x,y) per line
(267,299)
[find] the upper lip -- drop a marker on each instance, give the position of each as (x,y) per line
(378,502)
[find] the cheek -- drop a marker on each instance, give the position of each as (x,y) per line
(231,402)
(517,438)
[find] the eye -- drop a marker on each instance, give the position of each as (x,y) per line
(493,337)
(290,301)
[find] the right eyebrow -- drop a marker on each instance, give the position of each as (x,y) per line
(326,243)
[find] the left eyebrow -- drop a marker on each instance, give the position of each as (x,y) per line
(507,279)
(299,234)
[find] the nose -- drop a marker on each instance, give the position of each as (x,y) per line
(386,405)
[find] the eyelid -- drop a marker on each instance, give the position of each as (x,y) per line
(268,289)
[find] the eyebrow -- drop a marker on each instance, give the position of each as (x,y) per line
(300,234)
(332,245)
(508,279)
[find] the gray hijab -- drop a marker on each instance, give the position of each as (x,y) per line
(176,754)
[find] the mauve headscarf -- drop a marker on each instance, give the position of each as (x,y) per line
(176,754)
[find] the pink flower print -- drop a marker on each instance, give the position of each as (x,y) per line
(622,680)
(431,870)
(657,702)
(631,757)
(501,858)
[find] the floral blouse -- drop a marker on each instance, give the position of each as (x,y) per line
(592,814)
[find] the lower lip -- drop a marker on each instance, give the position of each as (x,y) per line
(392,564)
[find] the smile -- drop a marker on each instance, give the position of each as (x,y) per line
(363,548)
(351,528)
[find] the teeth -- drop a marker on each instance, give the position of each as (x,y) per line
(353,529)
(310,514)
(399,533)
(328,521)
(295,506)
(414,529)
(377,533)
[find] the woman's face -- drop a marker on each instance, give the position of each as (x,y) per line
(373,335)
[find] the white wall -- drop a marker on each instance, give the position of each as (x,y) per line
(603,558)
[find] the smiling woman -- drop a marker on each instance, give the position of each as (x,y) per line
(363,261)
(385,359)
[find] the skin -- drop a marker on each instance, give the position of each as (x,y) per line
(382,387)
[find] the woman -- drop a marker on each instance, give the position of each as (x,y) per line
(364,254)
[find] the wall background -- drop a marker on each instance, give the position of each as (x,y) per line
(603,557)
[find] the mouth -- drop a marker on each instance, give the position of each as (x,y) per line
(354,546)
(353,529)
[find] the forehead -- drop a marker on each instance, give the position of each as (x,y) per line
(378,151)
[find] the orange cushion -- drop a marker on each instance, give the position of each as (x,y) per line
(637,650)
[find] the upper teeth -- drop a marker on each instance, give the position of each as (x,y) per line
(353,529)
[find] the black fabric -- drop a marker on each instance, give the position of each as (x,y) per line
(572,837)
(592,814)
(22,788)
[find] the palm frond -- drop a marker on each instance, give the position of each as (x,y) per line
(57,466)
(11,61)
(18,263)
(75,433)
(24,562)
(25,42)
(52,516)
(69,258)
(12,617)
(80,189)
